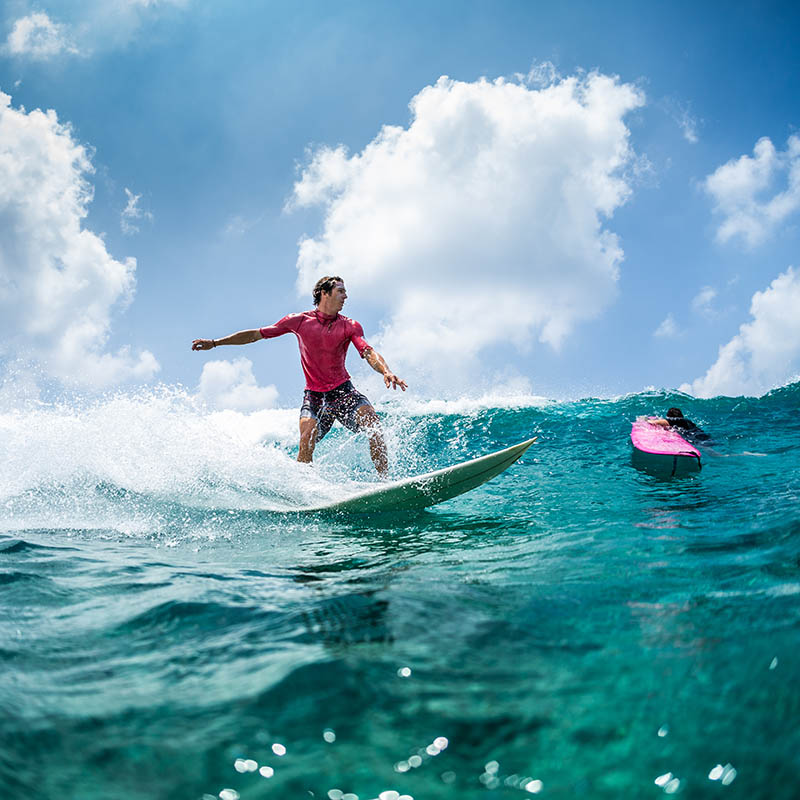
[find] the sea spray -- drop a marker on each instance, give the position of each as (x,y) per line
(164,445)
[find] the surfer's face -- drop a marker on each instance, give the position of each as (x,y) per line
(338,296)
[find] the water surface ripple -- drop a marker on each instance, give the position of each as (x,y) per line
(575,627)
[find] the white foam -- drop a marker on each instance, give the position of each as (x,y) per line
(118,461)
(464,406)
(159,444)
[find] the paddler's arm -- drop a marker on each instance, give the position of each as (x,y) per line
(375,360)
(240,337)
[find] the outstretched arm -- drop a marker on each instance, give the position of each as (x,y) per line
(375,360)
(242,337)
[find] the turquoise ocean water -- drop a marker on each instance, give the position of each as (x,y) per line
(576,627)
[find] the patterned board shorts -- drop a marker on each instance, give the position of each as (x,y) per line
(340,403)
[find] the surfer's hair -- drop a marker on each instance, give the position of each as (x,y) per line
(674,413)
(327,285)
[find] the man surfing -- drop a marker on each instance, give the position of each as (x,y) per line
(324,335)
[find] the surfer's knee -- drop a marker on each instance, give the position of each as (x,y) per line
(308,428)
(368,419)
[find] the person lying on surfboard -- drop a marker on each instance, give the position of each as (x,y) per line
(685,427)
(324,336)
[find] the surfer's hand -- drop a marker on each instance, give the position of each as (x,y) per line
(203,344)
(391,380)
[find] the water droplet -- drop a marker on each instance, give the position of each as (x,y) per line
(266,772)
(773,663)
(441,742)
(404,672)
(729,776)
(229,794)
(278,749)
(329,736)
(492,767)
(663,780)
(534,787)
(663,731)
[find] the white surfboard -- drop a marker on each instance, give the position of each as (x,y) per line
(429,489)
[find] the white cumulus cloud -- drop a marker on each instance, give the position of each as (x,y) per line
(87,27)
(746,194)
(59,287)
(766,351)
(232,385)
(483,221)
(38,37)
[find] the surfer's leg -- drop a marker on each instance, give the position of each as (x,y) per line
(308,439)
(368,421)
(311,429)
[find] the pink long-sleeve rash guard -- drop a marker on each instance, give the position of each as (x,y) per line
(323,341)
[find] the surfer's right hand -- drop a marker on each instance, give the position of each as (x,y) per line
(203,344)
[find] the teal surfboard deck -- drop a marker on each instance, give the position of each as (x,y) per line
(421,491)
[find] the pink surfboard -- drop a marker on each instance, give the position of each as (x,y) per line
(662,450)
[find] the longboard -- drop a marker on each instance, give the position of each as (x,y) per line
(662,450)
(429,489)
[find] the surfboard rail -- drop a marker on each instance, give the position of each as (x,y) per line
(431,488)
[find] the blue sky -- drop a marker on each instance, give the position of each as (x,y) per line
(599,198)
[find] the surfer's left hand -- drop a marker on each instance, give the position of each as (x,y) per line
(391,380)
